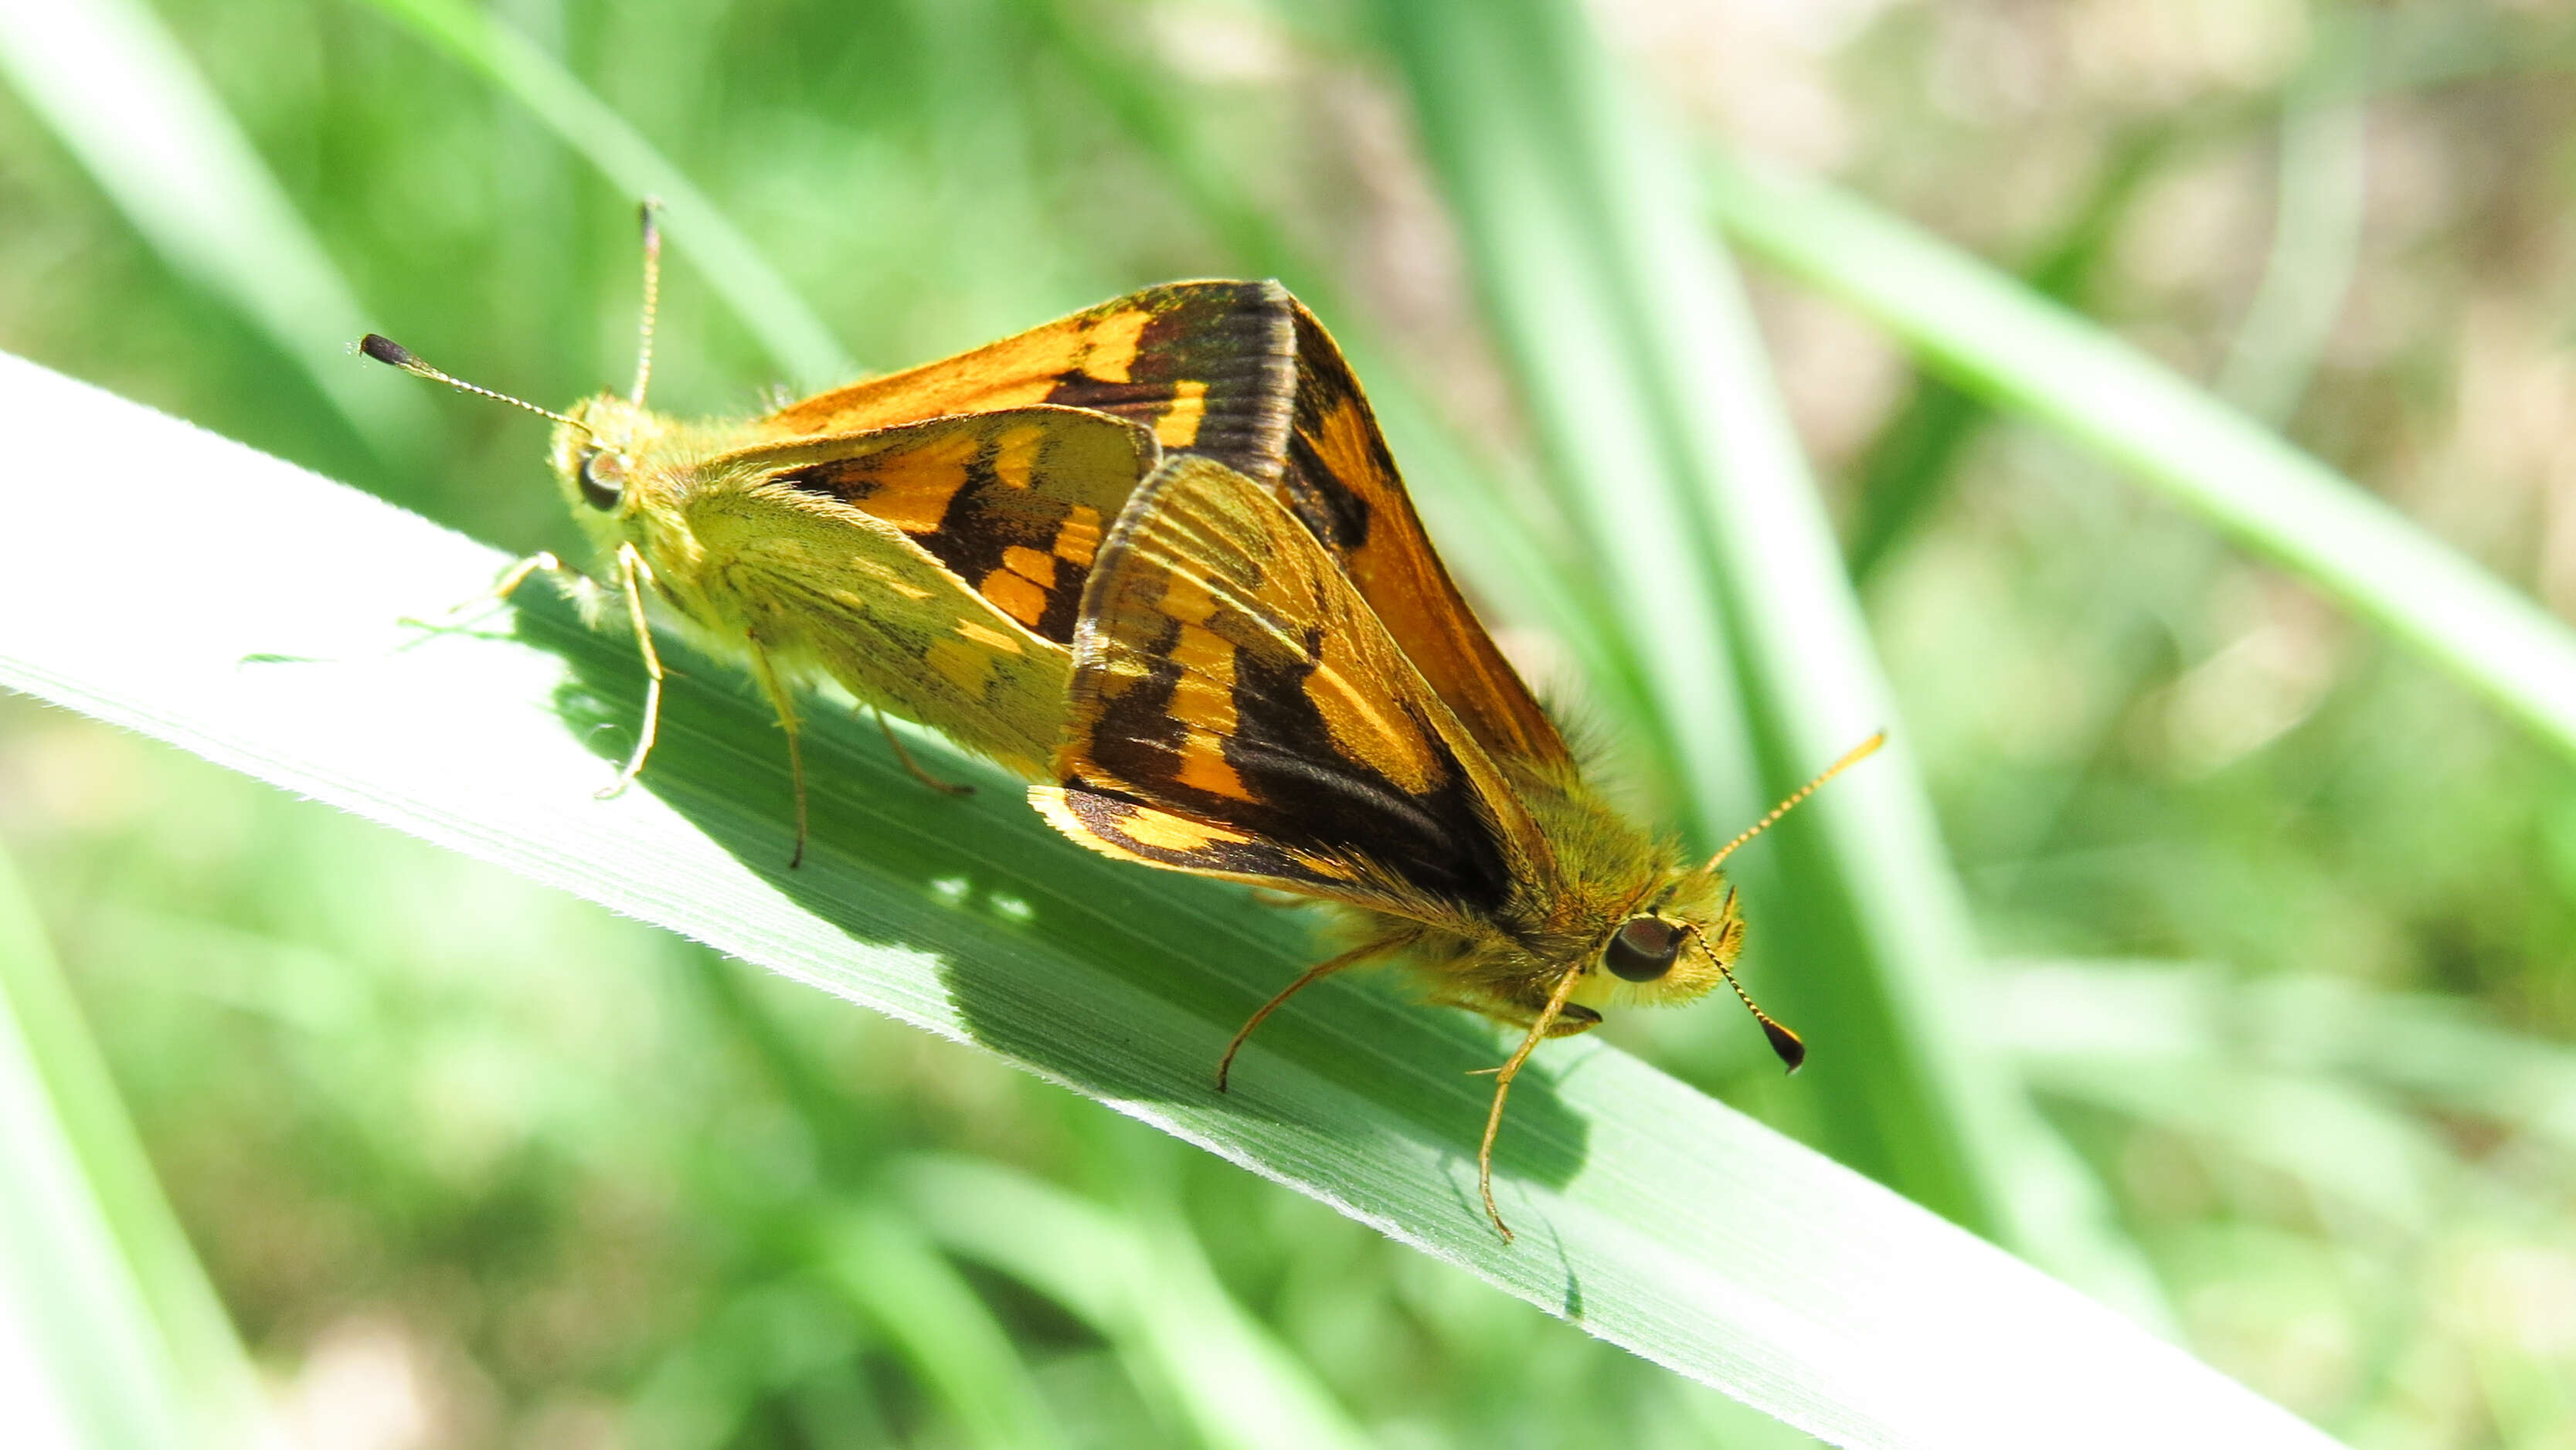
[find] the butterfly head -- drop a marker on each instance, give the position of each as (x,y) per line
(597,467)
(1686,938)
(1677,946)
(595,451)
(595,444)
(1685,944)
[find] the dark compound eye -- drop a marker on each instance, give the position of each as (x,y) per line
(603,479)
(1644,949)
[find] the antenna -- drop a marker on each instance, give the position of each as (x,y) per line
(1857,754)
(1786,1045)
(393,354)
(648,217)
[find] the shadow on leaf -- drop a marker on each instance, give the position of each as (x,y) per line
(1119,981)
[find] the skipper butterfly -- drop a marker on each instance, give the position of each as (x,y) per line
(1157,552)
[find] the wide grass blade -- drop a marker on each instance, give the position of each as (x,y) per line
(265,635)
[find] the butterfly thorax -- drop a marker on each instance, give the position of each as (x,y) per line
(639,478)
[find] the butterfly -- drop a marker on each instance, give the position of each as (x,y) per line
(920,538)
(1157,556)
(1313,709)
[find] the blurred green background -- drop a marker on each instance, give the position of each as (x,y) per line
(2279,916)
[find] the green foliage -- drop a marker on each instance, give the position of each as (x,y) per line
(1669,1224)
(569,1178)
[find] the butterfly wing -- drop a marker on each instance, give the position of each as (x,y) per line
(1342,484)
(932,568)
(1205,366)
(1240,372)
(1236,710)
(1012,502)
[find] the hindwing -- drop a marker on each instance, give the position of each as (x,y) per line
(922,566)
(1012,503)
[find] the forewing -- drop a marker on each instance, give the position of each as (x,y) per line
(1206,366)
(1013,502)
(1343,485)
(1236,710)
(1240,372)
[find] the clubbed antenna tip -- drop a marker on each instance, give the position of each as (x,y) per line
(393,354)
(1791,1050)
(385,350)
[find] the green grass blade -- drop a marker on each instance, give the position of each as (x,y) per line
(108,79)
(98,1364)
(118,1336)
(265,635)
(735,269)
(2434,1055)
(1909,466)
(2318,219)
(881,1259)
(2033,357)
(1639,362)
(1149,1293)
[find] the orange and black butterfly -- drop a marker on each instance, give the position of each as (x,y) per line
(1275,681)
(1157,552)
(921,538)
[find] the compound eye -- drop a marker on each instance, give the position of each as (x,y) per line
(602,479)
(1644,949)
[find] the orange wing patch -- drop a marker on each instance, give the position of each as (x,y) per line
(1110,345)
(1228,675)
(1132,831)
(1015,454)
(1178,427)
(997,498)
(1077,539)
(910,487)
(1342,484)
(1205,365)
(1016,595)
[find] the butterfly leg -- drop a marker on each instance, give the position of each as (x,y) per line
(1392,942)
(1575,1019)
(631,572)
(540,562)
(577,586)
(1556,1003)
(784,702)
(904,758)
